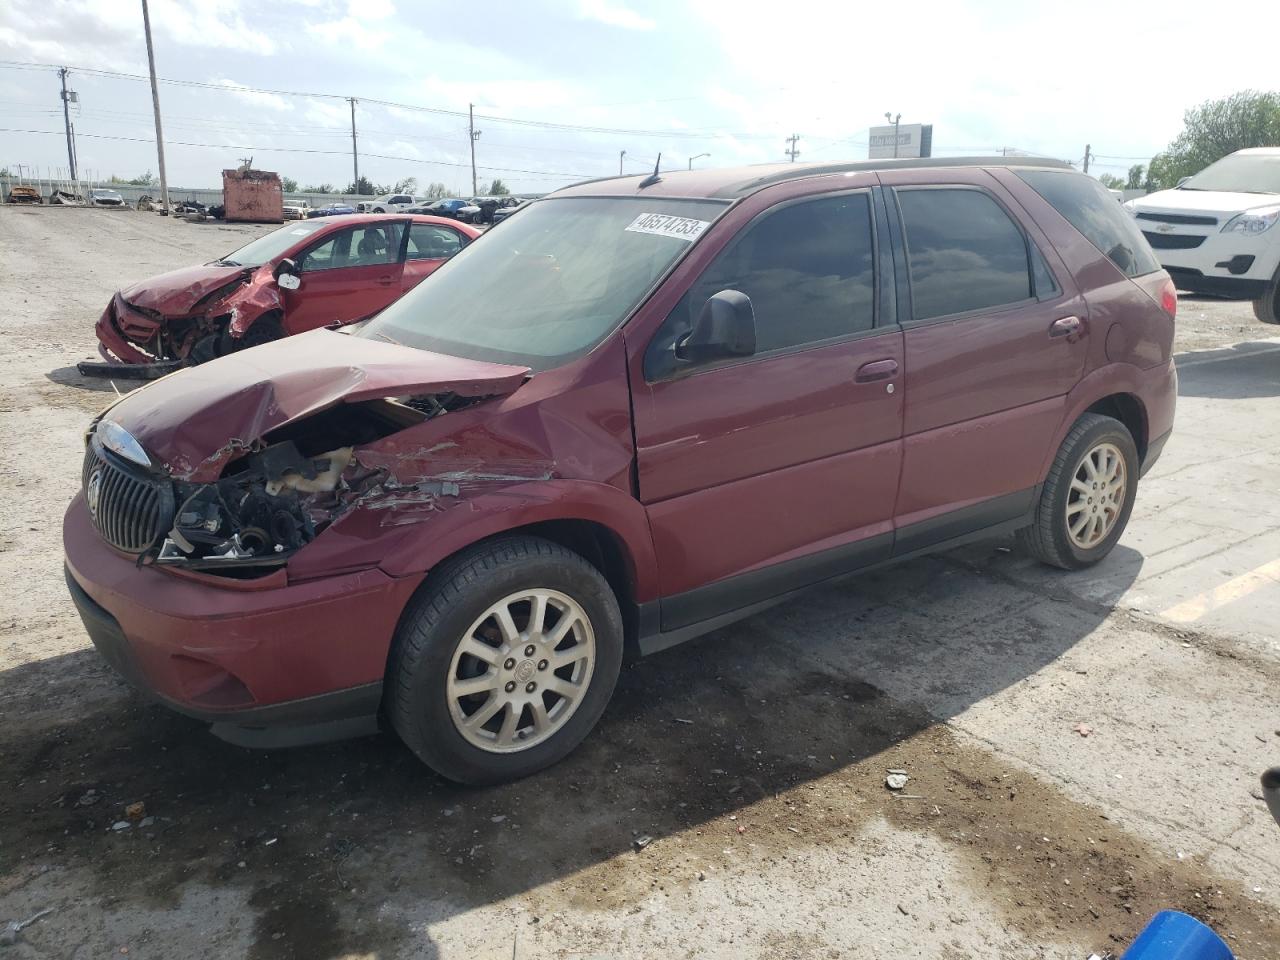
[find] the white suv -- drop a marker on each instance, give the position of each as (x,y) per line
(1215,232)
(391,203)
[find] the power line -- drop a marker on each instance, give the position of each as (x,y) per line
(439,111)
(245,146)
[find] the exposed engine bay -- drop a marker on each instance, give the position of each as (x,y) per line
(282,491)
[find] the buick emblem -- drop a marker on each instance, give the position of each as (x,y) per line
(92,491)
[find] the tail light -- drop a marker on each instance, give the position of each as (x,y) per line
(1169,298)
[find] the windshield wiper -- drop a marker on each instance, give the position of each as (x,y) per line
(228,263)
(383,336)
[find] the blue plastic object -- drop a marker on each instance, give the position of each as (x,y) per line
(1175,936)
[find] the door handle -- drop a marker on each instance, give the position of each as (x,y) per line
(1066,327)
(877,370)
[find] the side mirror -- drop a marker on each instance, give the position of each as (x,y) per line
(725,327)
(286,275)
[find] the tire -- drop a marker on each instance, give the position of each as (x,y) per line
(1053,537)
(449,617)
(1267,307)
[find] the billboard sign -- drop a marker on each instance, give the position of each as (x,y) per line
(913,140)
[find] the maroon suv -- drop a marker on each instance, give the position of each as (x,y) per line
(637,410)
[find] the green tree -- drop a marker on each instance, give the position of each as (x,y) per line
(436,190)
(366,188)
(1136,173)
(321,188)
(289,185)
(1215,128)
(1111,181)
(147,179)
(407,185)
(5,174)
(496,189)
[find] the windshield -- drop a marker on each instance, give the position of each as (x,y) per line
(267,248)
(1239,173)
(550,284)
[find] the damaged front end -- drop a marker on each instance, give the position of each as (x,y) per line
(142,341)
(272,496)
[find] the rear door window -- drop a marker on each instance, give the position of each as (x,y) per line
(964,253)
(1088,207)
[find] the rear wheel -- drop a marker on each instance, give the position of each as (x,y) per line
(504,661)
(1087,497)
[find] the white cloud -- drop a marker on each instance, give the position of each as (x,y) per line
(371,9)
(269,100)
(350,32)
(613,14)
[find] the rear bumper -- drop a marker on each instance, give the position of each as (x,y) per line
(266,662)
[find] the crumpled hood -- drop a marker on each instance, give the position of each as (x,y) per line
(176,293)
(196,420)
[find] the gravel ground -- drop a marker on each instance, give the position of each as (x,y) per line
(754,758)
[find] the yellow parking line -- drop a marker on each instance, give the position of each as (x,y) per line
(1266,575)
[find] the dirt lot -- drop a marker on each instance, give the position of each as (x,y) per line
(755,758)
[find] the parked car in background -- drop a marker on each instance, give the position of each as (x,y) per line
(331,210)
(391,203)
(447,207)
(489,206)
(1215,232)
(457,518)
(315,273)
(471,212)
(506,210)
(101,197)
(24,193)
(297,209)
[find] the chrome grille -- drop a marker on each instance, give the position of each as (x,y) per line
(129,509)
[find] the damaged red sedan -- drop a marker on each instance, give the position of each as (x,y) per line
(680,399)
(304,275)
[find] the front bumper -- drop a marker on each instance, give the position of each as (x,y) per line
(267,663)
(118,326)
(1231,288)
(1222,264)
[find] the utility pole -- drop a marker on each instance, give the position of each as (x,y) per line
(475,135)
(355,155)
(894,120)
(792,152)
(1088,155)
(66,121)
(155,106)
(621,155)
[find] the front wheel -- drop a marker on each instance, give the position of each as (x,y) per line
(1087,497)
(1267,307)
(504,660)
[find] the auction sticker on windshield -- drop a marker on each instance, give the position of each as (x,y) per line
(665,225)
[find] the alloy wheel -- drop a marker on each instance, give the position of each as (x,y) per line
(521,670)
(1097,495)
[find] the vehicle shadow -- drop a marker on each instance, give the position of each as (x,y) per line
(1238,372)
(849,670)
(71,377)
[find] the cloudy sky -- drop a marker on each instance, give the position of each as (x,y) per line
(565,85)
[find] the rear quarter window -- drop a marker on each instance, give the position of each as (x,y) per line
(1089,208)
